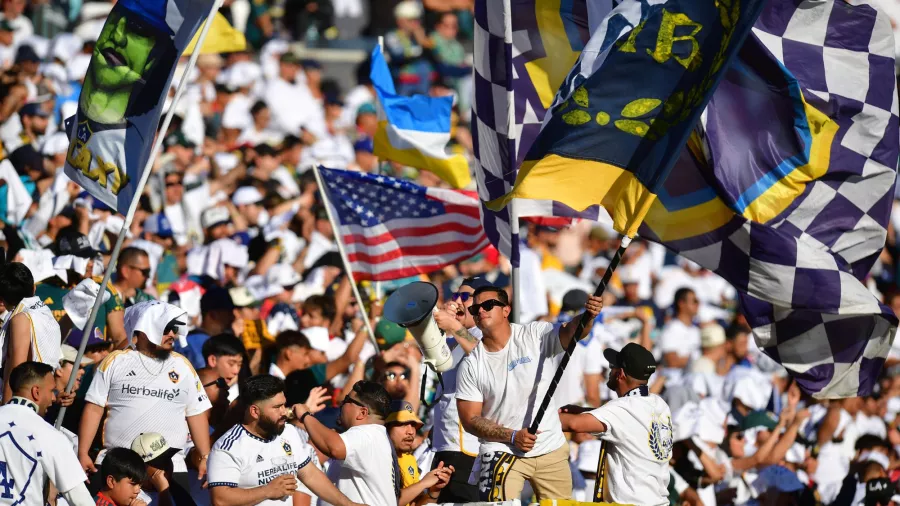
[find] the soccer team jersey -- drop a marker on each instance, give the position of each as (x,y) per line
(143,394)
(243,460)
(31,452)
(45,334)
(52,295)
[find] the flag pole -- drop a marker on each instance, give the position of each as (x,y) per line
(340,244)
(377,286)
(582,323)
(516,315)
(139,189)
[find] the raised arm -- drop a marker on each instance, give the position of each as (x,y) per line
(592,307)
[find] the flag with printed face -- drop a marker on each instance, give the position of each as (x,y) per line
(415,130)
(787,188)
(111,135)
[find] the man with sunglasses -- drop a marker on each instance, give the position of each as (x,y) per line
(365,464)
(454,446)
(259,460)
(148,388)
(132,274)
(500,386)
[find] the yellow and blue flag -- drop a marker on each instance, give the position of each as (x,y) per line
(415,130)
(624,112)
(222,38)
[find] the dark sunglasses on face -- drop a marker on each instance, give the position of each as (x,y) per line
(144,272)
(351,400)
(487,305)
(170,184)
(464,296)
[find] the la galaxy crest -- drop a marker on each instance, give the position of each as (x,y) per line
(660,437)
(287,448)
(173,376)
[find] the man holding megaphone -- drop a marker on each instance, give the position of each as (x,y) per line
(500,385)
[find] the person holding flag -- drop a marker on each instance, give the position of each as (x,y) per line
(492,382)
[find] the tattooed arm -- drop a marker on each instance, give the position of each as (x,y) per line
(466,340)
(446,321)
(477,425)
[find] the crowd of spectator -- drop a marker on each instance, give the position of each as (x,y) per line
(232,234)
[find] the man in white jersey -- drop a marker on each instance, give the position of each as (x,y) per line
(148,388)
(499,388)
(365,463)
(258,461)
(452,444)
(636,431)
(31,450)
(31,332)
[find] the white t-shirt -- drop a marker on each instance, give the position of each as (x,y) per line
(504,382)
(587,358)
(143,394)
(45,336)
(448,433)
(369,474)
(638,441)
(680,338)
(32,452)
(240,459)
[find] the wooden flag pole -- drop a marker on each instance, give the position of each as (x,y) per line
(145,176)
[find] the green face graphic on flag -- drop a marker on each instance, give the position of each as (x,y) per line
(123,57)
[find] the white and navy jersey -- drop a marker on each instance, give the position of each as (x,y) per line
(32,452)
(244,460)
(143,394)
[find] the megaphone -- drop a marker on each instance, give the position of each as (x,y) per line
(412,307)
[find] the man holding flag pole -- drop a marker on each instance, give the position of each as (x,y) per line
(112,179)
(607,141)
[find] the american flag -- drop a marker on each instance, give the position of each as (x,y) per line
(394,229)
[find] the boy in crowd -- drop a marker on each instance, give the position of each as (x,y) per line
(122,474)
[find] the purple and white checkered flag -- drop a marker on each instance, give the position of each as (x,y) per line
(787,190)
(520,62)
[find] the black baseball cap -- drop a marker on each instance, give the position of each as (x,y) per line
(879,491)
(72,242)
(475,282)
(634,359)
(216,298)
(574,300)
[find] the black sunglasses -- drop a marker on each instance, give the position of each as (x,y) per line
(351,400)
(464,296)
(170,184)
(219,382)
(145,272)
(487,305)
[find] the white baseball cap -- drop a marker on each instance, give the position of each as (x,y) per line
(282,275)
(214,216)
(69,354)
(153,448)
(408,9)
(712,335)
(246,195)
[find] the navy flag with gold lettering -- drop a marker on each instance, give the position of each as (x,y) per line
(111,135)
(625,111)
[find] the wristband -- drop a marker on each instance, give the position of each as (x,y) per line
(512,440)
(304,415)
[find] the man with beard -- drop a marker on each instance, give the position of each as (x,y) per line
(453,445)
(148,388)
(258,461)
(402,424)
(636,430)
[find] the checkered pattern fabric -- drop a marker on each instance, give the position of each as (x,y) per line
(801,274)
(506,117)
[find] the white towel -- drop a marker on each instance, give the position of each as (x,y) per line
(151,318)
(80,300)
(18,200)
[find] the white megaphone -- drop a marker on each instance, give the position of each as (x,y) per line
(411,306)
